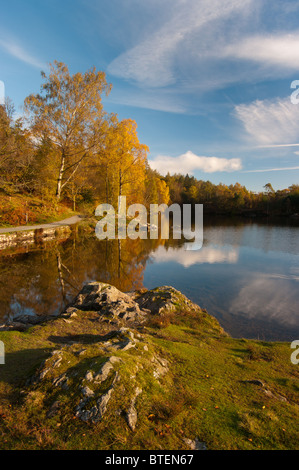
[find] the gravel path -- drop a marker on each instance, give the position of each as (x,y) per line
(70,221)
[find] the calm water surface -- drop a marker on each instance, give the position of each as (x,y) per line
(246,274)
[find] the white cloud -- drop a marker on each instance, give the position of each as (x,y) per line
(270,122)
(277,50)
(189,162)
(19,53)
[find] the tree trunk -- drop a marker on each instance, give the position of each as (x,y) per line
(120,183)
(60,276)
(60,176)
(119,259)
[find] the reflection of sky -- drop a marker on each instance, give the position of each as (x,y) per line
(246,276)
(208,254)
(272,297)
(18,309)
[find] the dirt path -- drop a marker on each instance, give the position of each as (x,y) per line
(70,221)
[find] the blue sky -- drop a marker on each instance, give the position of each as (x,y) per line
(207,81)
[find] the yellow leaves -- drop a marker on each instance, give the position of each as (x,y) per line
(122,162)
(163,191)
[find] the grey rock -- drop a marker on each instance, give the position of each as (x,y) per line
(254,382)
(195,444)
(164,300)
(57,362)
(103,374)
(108,301)
(89,376)
(96,413)
(61,381)
(132,412)
(54,409)
(87,392)
(161,366)
(132,417)
(43,374)
(81,352)
(270,394)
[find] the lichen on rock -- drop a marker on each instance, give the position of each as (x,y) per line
(164,300)
(109,302)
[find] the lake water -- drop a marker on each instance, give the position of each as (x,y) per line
(246,274)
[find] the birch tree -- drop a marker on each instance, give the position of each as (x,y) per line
(69,112)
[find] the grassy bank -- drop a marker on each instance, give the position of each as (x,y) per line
(19,210)
(227,393)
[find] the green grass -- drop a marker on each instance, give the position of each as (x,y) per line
(206,394)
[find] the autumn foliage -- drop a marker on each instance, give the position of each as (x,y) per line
(67,148)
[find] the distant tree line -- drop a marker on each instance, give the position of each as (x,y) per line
(232,199)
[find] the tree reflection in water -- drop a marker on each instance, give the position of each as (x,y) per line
(43,279)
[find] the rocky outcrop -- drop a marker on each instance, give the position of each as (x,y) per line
(137,370)
(108,364)
(114,307)
(108,371)
(109,302)
(164,300)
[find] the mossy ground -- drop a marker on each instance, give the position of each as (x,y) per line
(206,393)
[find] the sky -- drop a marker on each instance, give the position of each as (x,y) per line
(212,84)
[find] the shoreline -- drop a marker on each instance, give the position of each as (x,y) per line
(151,367)
(24,235)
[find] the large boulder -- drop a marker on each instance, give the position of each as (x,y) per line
(164,300)
(108,301)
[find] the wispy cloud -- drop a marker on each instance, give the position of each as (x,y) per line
(279,146)
(203,46)
(270,122)
(189,162)
(272,169)
(17,51)
(280,50)
(156,101)
(154,62)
